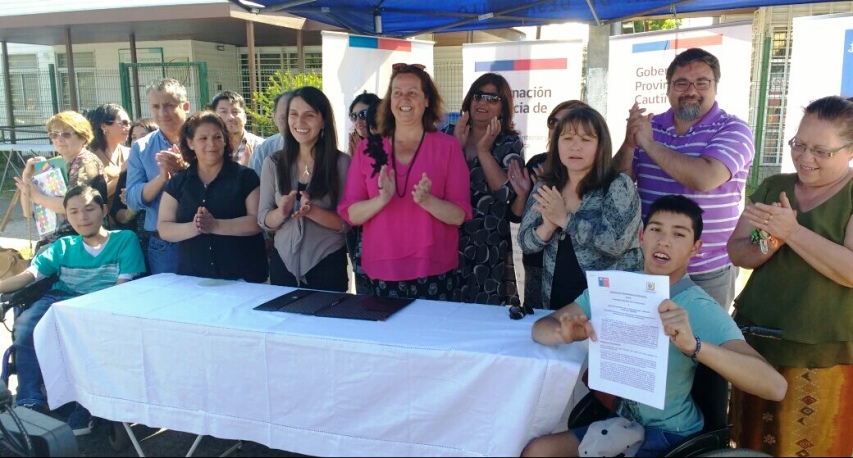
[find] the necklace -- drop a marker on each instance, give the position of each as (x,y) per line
(411,165)
(306,172)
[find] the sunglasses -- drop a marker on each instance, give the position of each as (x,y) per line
(487,97)
(517,312)
(402,66)
(66,135)
(356,116)
(552,122)
(123,122)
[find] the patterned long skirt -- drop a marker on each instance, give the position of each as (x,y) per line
(814,419)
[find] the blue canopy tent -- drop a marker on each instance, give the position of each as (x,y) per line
(405,18)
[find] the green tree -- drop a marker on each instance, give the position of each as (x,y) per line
(660,24)
(278,83)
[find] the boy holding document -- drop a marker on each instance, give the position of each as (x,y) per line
(698,328)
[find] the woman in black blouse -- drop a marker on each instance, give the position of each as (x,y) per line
(211,208)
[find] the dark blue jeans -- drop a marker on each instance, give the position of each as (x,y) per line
(162,256)
(30,380)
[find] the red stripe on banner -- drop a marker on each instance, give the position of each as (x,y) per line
(395,45)
(698,42)
(541,64)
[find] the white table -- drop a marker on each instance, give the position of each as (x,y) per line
(191,354)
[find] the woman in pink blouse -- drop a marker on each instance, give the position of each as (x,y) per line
(408,188)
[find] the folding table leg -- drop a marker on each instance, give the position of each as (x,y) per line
(195,444)
(133,439)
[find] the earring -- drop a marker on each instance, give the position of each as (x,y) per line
(104,131)
(322,132)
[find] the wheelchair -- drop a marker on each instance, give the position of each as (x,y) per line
(710,392)
(17,302)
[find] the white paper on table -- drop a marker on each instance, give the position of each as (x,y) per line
(631,357)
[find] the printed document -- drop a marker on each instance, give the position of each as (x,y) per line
(630,358)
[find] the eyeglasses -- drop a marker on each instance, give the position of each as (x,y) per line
(66,135)
(517,312)
(491,99)
(552,122)
(700,85)
(820,153)
(404,67)
(123,122)
(359,115)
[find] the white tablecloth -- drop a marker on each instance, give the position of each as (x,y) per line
(191,354)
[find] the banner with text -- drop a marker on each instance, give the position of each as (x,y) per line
(815,74)
(541,74)
(353,64)
(638,63)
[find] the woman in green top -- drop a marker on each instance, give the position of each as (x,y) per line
(795,233)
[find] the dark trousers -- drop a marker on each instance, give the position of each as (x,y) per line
(330,274)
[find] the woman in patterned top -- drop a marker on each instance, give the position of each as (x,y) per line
(70,132)
(498,192)
(583,214)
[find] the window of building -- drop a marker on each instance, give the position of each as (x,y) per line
(87,83)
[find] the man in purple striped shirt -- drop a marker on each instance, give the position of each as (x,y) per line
(697,150)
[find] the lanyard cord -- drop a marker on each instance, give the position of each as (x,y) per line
(411,164)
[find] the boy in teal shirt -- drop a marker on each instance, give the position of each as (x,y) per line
(93,260)
(669,239)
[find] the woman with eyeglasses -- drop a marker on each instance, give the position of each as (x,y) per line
(363,284)
(499,189)
(582,214)
(122,216)
(358,117)
(301,186)
(408,189)
(536,167)
(69,132)
(111,126)
(796,234)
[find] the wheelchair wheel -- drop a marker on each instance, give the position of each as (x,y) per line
(117,435)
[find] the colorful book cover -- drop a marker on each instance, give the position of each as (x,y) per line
(50,179)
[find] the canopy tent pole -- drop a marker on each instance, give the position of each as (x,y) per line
(594,14)
(7,92)
(253,81)
(300,52)
(134,72)
(72,73)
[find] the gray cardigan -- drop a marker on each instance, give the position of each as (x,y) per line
(301,243)
(604,232)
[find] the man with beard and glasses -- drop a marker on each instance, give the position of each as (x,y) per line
(697,150)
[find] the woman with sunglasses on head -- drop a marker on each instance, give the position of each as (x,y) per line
(796,233)
(408,189)
(301,186)
(111,127)
(582,214)
(69,132)
(358,117)
(535,167)
(499,189)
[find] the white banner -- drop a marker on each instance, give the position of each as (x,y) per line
(638,63)
(353,64)
(541,74)
(821,65)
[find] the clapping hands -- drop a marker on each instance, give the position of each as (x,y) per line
(549,202)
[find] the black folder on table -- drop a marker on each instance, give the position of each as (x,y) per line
(336,305)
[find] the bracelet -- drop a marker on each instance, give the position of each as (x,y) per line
(698,347)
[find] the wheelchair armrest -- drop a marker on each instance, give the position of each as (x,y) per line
(701,443)
(589,409)
(25,296)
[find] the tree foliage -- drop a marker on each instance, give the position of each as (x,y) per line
(278,83)
(660,24)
